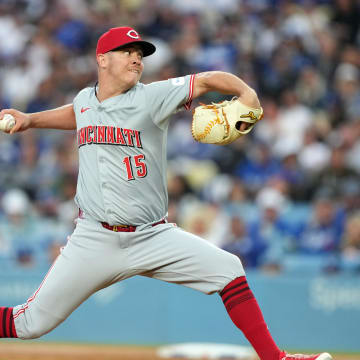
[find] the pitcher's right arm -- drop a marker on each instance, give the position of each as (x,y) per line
(62,118)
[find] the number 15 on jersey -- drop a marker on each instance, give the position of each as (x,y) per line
(140,166)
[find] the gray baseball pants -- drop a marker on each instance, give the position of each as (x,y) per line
(95,258)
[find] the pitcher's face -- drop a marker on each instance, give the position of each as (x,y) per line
(125,65)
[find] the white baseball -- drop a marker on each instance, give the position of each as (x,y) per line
(7,122)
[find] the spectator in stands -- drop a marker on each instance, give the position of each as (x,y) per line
(345,19)
(322,233)
(294,119)
(315,154)
(258,167)
(239,243)
(44,98)
(336,174)
(351,243)
(270,233)
(349,196)
(347,83)
(311,87)
(19,229)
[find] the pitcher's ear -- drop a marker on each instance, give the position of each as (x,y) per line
(101,60)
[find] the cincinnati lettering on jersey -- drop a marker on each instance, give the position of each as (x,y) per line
(108,135)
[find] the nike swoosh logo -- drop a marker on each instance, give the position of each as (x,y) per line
(84,109)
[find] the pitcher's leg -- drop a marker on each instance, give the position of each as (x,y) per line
(191,261)
(30,321)
(244,311)
(27,321)
(174,255)
(69,282)
(86,265)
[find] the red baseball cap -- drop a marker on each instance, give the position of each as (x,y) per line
(121,36)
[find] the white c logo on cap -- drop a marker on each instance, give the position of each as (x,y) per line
(133,34)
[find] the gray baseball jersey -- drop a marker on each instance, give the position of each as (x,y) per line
(122,180)
(122,151)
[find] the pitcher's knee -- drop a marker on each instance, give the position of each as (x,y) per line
(232,264)
(30,334)
(35,330)
(230,268)
(32,326)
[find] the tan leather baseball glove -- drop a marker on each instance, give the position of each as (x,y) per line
(224,122)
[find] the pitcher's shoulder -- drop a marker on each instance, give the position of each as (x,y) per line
(86,92)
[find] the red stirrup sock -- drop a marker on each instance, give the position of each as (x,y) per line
(7,326)
(245,313)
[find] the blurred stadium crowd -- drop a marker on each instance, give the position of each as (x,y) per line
(286,197)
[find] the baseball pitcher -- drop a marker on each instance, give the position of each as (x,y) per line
(122,229)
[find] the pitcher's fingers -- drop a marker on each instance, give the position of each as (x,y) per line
(16,127)
(7,111)
(2,113)
(244,126)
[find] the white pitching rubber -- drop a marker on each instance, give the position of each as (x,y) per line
(324,356)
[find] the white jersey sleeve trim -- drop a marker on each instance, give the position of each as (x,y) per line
(187,105)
